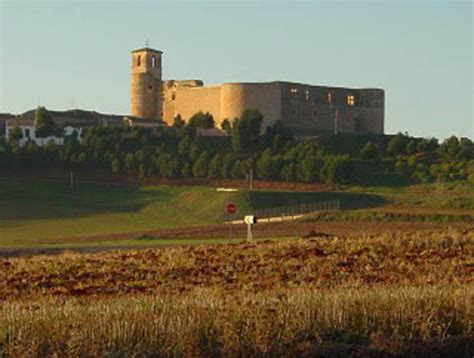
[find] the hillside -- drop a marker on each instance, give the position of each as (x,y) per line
(34,213)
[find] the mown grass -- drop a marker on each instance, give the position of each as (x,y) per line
(369,296)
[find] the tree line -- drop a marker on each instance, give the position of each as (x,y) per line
(270,153)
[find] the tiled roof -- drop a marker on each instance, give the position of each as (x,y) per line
(147,49)
(19,122)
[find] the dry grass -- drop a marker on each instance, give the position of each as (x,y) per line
(368,296)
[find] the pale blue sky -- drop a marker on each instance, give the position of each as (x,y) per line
(76,54)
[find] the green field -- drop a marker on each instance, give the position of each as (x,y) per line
(33,213)
(36,213)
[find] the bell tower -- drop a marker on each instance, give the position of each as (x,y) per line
(146,83)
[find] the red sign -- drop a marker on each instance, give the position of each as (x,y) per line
(231,208)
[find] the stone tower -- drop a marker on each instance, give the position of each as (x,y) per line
(146,83)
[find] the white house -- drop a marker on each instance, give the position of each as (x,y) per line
(28,131)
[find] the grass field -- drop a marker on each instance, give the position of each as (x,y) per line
(365,296)
(51,214)
(36,213)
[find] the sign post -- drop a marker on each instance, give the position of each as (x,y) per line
(230,209)
(250,220)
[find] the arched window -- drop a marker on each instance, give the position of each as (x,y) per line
(153,61)
(139,60)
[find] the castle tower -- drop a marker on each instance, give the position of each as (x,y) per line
(146,83)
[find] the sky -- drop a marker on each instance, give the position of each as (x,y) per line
(69,54)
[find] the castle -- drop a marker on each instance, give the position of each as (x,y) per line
(303,108)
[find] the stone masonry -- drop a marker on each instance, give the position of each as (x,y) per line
(306,109)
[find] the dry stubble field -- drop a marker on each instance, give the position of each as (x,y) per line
(393,294)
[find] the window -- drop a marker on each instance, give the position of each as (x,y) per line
(139,60)
(294,90)
(315,114)
(329,97)
(294,112)
(307,95)
(153,61)
(173,97)
(350,100)
(27,133)
(150,87)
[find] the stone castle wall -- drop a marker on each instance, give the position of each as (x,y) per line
(303,108)
(146,84)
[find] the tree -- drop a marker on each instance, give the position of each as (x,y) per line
(410,148)
(186,170)
(215,167)
(201,166)
(265,166)
(201,120)
(178,121)
(340,170)
(246,131)
(287,172)
(427,145)
(226,126)
(397,144)
(309,168)
(116,166)
(44,124)
(369,151)
(226,167)
(15,134)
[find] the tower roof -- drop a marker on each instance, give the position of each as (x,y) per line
(147,49)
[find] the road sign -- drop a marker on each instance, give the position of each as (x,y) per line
(231,208)
(250,219)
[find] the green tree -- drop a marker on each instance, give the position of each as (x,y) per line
(309,168)
(410,148)
(178,121)
(226,168)
(186,170)
(397,144)
(215,167)
(201,120)
(341,170)
(116,166)
(427,145)
(130,163)
(287,172)
(15,134)
(265,166)
(44,124)
(201,166)
(246,131)
(226,126)
(370,150)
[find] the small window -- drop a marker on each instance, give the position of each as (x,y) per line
(294,112)
(173,97)
(315,114)
(27,133)
(329,97)
(350,100)
(294,90)
(153,61)
(150,87)
(139,61)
